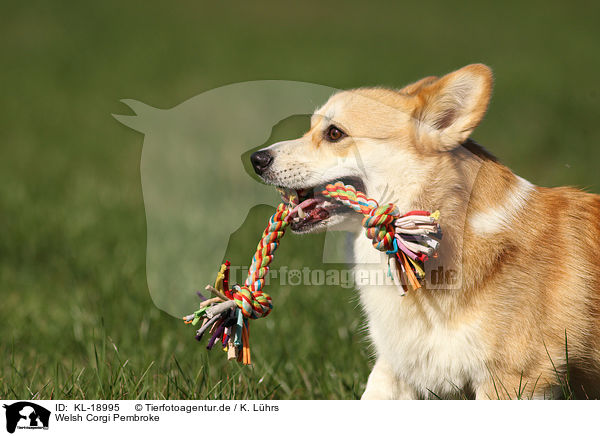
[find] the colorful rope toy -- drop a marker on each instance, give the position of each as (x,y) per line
(409,240)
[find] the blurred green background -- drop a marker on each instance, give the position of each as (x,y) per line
(76,318)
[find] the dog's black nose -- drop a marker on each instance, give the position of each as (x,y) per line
(261,161)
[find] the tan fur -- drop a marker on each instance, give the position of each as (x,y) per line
(527,256)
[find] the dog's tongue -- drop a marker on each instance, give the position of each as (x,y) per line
(311,210)
(305,205)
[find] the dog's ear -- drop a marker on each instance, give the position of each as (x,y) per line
(414,87)
(448,109)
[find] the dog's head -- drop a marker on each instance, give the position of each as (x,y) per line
(387,143)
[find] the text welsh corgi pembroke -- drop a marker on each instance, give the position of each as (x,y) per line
(522,314)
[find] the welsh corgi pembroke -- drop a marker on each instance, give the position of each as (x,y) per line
(518,317)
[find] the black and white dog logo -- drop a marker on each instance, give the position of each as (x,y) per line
(26,415)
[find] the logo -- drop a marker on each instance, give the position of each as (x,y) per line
(26,415)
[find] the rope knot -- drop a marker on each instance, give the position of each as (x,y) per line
(253,303)
(379,226)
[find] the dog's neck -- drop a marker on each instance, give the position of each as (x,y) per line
(477,197)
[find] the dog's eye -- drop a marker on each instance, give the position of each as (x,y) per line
(334,134)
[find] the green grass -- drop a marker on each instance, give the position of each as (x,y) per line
(76,316)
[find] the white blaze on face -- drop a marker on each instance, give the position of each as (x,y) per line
(499,218)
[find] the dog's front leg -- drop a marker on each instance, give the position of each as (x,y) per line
(384,384)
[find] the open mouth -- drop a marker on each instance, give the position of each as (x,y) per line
(310,209)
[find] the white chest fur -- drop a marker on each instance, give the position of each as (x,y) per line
(424,350)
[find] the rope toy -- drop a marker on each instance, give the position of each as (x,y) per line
(408,239)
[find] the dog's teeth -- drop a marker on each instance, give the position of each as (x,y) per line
(301,213)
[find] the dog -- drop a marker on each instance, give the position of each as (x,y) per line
(523,320)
